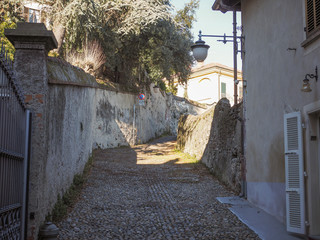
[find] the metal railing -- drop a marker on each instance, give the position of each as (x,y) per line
(14,135)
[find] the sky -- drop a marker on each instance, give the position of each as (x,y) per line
(214,23)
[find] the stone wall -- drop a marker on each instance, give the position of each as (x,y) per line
(82,115)
(194,132)
(182,106)
(220,149)
(72,114)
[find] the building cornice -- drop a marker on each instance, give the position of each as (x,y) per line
(227,5)
(213,68)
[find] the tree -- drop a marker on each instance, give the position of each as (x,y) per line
(10,14)
(139,41)
(186,16)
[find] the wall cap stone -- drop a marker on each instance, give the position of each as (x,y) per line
(31,33)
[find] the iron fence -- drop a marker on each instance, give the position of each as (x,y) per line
(14,145)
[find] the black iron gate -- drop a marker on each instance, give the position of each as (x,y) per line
(14,145)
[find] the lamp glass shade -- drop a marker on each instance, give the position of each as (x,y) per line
(200,53)
(200,50)
(306,86)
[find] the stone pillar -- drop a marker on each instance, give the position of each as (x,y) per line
(32,42)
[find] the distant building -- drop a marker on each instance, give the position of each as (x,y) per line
(30,10)
(33,12)
(209,83)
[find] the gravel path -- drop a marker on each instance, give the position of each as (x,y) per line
(150,192)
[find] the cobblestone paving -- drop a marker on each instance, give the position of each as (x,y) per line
(149,192)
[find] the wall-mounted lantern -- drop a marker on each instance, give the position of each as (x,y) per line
(306,84)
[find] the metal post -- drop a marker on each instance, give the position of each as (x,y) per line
(134,125)
(235,52)
(25,173)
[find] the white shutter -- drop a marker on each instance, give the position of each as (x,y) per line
(295,202)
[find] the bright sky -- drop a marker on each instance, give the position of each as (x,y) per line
(214,23)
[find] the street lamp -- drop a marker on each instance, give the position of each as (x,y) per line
(200,50)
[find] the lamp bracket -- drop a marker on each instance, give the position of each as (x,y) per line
(220,36)
(225,39)
(313,75)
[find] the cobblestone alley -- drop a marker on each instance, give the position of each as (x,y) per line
(150,192)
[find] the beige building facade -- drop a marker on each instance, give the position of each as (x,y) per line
(209,83)
(282,137)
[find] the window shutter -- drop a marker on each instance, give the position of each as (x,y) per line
(295,202)
(223,90)
(312,15)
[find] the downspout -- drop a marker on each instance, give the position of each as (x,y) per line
(243,123)
(243,192)
(235,53)
(219,83)
(27,166)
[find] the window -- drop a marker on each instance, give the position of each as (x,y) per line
(312,16)
(223,90)
(31,15)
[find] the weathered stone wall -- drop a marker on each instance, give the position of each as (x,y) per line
(83,116)
(193,133)
(72,114)
(219,149)
(181,106)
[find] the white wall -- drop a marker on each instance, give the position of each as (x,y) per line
(83,116)
(82,119)
(203,89)
(72,114)
(204,84)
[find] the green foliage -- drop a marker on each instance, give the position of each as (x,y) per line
(186,156)
(142,40)
(186,16)
(162,86)
(172,88)
(53,54)
(58,212)
(70,197)
(10,14)
(81,20)
(7,24)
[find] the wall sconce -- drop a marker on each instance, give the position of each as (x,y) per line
(306,84)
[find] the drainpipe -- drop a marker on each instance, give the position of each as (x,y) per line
(219,83)
(243,192)
(243,127)
(242,121)
(235,52)
(27,171)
